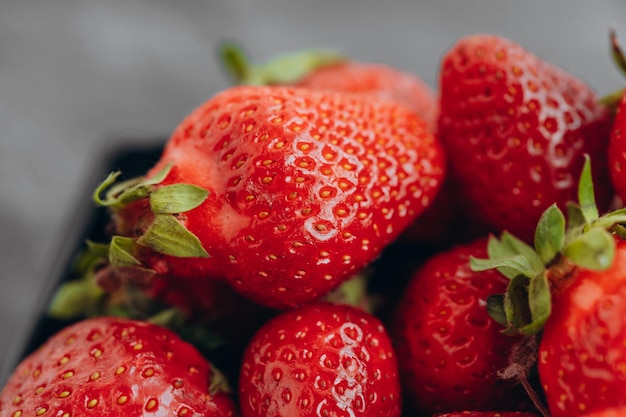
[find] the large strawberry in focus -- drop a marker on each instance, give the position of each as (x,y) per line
(320,360)
(283,192)
(111,366)
(451,351)
(515,128)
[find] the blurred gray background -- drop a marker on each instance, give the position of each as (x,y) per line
(75,73)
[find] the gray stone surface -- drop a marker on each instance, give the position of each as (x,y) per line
(74,73)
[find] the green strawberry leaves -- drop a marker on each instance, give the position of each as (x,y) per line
(285,69)
(168,236)
(165,234)
(522,265)
(550,234)
(176,198)
(586,197)
(125,192)
(593,250)
(584,239)
(120,252)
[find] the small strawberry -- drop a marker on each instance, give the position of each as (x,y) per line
(515,128)
(572,290)
(450,349)
(112,366)
(329,70)
(320,360)
(283,192)
(488,414)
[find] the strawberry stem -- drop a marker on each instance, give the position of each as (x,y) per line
(286,69)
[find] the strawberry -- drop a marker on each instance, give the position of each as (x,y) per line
(283,192)
(515,128)
(321,359)
(487,414)
(111,366)
(329,70)
(572,290)
(449,347)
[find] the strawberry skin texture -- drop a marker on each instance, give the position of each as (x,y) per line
(582,355)
(617,150)
(608,412)
(320,360)
(516,128)
(439,221)
(111,367)
(449,347)
(305,188)
(383,81)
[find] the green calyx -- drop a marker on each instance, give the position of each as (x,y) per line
(166,234)
(583,240)
(106,267)
(284,69)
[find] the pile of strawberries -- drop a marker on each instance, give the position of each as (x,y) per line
(332,238)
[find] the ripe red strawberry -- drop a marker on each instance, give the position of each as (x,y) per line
(449,347)
(515,128)
(320,360)
(488,414)
(112,366)
(573,291)
(328,70)
(283,192)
